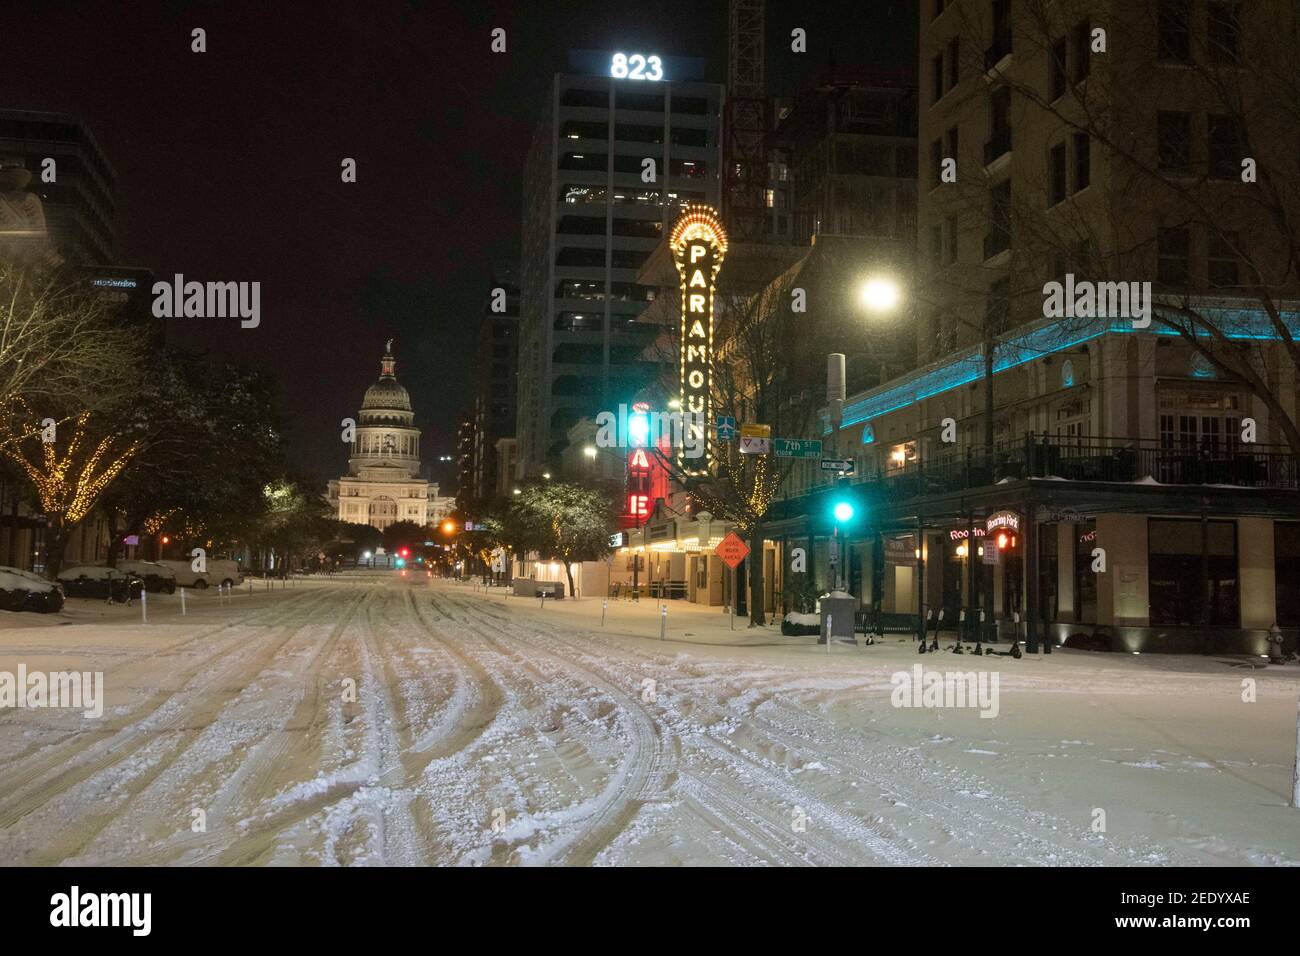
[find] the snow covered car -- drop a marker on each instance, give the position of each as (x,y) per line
(219,571)
(25,591)
(156,576)
(97,581)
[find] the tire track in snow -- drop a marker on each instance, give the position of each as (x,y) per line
(640,779)
(180,710)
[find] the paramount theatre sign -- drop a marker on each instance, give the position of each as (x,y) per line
(699,244)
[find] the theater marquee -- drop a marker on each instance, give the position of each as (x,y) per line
(699,244)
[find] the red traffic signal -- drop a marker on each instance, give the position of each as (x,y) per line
(405,552)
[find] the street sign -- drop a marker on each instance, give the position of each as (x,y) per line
(837,464)
(755,439)
(732,550)
(726,428)
(797,447)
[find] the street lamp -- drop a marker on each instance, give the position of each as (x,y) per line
(880,293)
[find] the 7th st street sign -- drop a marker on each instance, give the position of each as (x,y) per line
(797,447)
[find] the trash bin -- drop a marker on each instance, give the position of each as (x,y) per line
(840,607)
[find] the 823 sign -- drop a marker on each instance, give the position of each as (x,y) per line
(636,67)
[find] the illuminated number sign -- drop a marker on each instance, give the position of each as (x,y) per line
(699,244)
(636,66)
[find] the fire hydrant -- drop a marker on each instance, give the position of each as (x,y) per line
(1275,645)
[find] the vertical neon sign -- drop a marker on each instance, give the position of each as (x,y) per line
(699,244)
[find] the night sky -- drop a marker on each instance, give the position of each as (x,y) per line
(228,162)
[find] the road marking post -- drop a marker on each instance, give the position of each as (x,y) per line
(604,606)
(182,602)
(663,622)
(1295,784)
(144,606)
(829,630)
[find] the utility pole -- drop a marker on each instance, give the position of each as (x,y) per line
(987,570)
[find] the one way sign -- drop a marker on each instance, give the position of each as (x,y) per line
(838,464)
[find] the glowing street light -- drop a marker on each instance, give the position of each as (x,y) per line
(880,293)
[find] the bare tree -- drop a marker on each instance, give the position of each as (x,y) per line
(59,351)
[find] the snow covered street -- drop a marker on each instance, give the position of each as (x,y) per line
(381,720)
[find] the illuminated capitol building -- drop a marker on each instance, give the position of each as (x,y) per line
(383,483)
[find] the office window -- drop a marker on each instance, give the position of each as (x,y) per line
(1174,250)
(938,7)
(1082,50)
(936,161)
(1058,175)
(1082,161)
(1056,61)
(1225,147)
(1174,141)
(936,243)
(936,74)
(950,252)
(954,62)
(1174,27)
(1223,32)
(1177,593)
(952,142)
(1223,268)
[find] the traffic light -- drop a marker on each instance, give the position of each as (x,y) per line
(401,563)
(843,511)
(405,552)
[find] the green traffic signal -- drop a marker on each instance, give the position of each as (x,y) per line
(843,511)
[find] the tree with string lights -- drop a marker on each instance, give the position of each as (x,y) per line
(69,477)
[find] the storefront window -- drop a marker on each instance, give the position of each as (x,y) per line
(1286,544)
(1085,579)
(1047,571)
(1178,595)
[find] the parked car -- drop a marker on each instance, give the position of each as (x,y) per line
(25,591)
(218,571)
(97,581)
(156,576)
